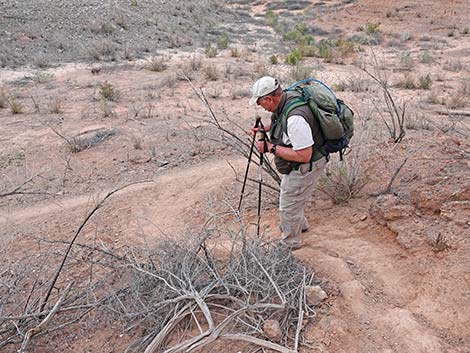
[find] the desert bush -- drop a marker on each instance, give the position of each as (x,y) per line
(438,242)
(272,19)
(211,72)
(406,61)
(43,77)
(261,69)
(107,28)
(418,122)
(353,83)
(372,27)
(335,50)
(56,106)
(395,117)
(299,72)
(454,66)
(108,92)
(273,60)
(458,99)
(345,179)
(16,107)
(156,63)
(407,82)
(234,52)
(222,41)
(426,58)
(294,57)
(211,51)
(425,81)
(3,99)
(103,50)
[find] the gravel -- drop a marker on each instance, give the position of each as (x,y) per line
(45,32)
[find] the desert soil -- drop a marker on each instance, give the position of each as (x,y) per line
(397,264)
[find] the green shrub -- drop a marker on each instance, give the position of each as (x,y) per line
(222,41)
(211,51)
(425,81)
(273,60)
(272,19)
(426,58)
(108,92)
(294,57)
(372,27)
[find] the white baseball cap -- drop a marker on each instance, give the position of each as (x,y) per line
(262,87)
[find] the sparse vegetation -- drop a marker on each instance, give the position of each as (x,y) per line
(223,41)
(439,242)
(425,81)
(43,77)
(211,72)
(211,52)
(299,72)
(157,63)
(3,99)
(294,57)
(426,58)
(108,92)
(408,82)
(372,27)
(343,180)
(16,107)
(56,106)
(273,60)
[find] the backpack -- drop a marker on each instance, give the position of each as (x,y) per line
(334,117)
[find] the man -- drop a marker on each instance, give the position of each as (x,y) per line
(298,154)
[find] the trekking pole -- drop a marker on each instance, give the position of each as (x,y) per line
(262,137)
(258,121)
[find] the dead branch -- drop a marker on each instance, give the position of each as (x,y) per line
(82,225)
(42,325)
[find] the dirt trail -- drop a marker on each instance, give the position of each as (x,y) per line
(384,303)
(151,204)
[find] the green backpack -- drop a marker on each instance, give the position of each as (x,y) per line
(333,115)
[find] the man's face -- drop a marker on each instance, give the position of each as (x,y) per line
(267,102)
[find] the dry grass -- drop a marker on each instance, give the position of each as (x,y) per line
(16,107)
(157,63)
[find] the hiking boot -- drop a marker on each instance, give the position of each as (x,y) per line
(291,245)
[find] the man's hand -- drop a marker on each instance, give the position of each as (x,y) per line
(262,145)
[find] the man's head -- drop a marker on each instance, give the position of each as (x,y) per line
(267,93)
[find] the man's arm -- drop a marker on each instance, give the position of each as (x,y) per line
(287,153)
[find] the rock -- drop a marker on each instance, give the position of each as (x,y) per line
(315,295)
(388,208)
(457,211)
(272,329)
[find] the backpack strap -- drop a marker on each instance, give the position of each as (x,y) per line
(297,102)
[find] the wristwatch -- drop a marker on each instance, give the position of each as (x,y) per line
(273,149)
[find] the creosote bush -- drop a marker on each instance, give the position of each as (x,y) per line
(345,179)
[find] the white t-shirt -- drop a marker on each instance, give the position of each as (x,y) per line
(299,134)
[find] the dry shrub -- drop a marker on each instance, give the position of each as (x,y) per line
(56,106)
(345,179)
(157,63)
(79,143)
(3,99)
(16,107)
(418,122)
(407,82)
(211,72)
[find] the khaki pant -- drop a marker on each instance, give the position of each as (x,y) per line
(296,190)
